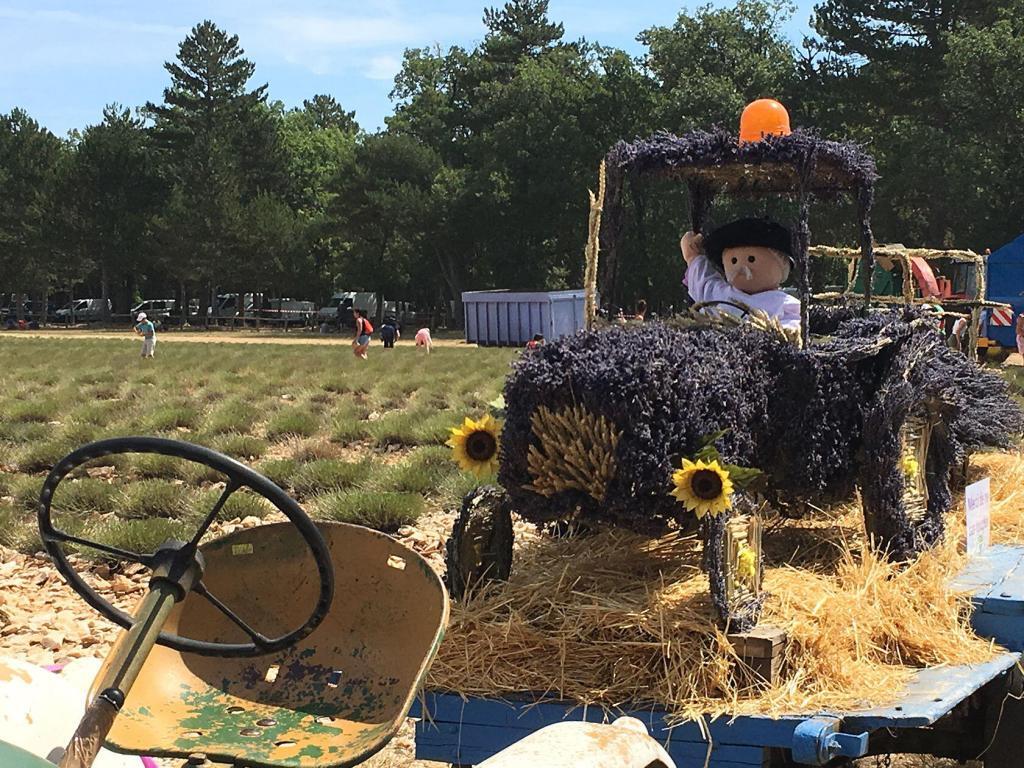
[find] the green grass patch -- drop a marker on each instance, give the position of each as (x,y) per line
(145,499)
(24,432)
(25,491)
(281,472)
(41,456)
(242,503)
(383,511)
(396,428)
(85,496)
(18,530)
(292,422)
(328,475)
(99,413)
(232,416)
(31,409)
(142,536)
(241,447)
(170,416)
(425,472)
(158,466)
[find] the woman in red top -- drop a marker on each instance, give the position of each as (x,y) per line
(363,330)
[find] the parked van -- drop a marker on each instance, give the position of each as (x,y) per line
(155,309)
(346,301)
(83,311)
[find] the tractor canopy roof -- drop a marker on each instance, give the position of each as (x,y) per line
(800,162)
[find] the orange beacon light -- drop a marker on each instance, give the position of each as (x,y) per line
(764,117)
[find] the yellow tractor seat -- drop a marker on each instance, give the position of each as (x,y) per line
(335,698)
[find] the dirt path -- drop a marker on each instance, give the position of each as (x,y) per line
(226,337)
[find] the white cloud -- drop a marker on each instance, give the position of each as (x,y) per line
(57,40)
(383,68)
(71,18)
(370,41)
(352,31)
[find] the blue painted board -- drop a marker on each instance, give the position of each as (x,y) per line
(473,735)
(1007,597)
(1008,631)
(747,730)
(929,695)
(984,571)
(995,582)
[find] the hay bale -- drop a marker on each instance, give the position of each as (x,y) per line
(616,619)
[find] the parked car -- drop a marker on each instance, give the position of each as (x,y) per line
(288,311)
(83,311)
(156,309)
(231,305)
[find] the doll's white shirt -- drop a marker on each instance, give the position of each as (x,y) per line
(706,283)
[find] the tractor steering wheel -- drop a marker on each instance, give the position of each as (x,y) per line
(175,557)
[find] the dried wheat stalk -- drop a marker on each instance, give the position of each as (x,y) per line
(593,246)
(576,452)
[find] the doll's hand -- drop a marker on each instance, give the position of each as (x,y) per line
(691,245)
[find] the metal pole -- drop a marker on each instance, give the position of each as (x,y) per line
(125,662)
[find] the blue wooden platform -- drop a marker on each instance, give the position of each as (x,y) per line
(469,731)
(995,581)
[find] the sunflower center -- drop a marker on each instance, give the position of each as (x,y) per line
(481,446)
(706,484)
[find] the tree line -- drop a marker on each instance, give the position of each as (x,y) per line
(480,177)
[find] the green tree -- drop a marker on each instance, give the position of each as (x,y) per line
(710,64)
(221,151)
(326,113)
(113,189)
(31,163)
(984,91)
(883,70)
(382,205)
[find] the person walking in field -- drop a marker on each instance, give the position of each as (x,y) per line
(363,331)
(423,339)
(1020,333)
(145,328)
(389,332)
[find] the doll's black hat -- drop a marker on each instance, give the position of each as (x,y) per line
(762,232)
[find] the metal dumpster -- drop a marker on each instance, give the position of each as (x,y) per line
(509,318)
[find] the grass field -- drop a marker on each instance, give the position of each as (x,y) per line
(358,441)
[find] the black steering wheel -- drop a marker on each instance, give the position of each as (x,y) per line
(179,557)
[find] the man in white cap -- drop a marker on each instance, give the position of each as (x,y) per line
(145,328)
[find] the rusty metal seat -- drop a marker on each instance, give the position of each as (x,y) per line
(335,698)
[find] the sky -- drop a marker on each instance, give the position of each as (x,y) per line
(62,61)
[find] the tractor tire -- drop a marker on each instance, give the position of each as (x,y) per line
(905,503)
(480,546)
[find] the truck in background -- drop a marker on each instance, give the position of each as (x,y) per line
(1005,273)
(251,308)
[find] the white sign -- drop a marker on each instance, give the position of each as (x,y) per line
(976,501)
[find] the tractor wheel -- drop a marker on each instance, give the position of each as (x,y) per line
(734,562)
(905,481)
(480,547)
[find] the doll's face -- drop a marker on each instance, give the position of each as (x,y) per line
(754,268)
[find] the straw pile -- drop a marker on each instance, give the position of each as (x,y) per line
(615,619)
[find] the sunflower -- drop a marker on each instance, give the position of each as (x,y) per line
(703,487)
(475,445)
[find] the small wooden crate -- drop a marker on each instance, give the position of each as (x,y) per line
(763,650)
